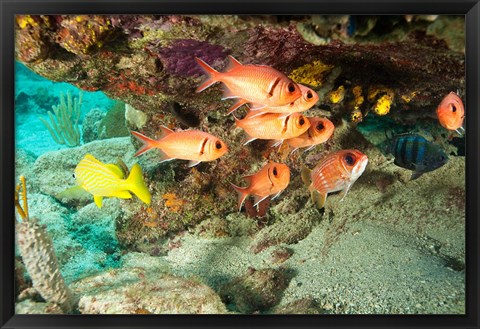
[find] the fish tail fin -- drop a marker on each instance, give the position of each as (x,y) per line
(306,175)
(242,193)
(137,184)
(212,75)
(148,143)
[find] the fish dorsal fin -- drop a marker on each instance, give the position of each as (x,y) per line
(90,157)
(116,170)
(232,63)
(164,131)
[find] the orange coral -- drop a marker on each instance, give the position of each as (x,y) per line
(173,203)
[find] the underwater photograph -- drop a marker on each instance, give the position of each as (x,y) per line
(240,164)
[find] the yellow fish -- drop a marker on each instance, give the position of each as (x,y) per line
(107,180)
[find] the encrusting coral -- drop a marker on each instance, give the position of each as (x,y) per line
(64,126)
(37,252)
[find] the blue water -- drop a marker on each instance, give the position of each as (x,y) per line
(96,241)
(31,133)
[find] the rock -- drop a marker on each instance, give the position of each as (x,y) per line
(82,245)
(24,161)
(255,291)
(90,125)
(306,305)
(145,288)
(291,229)
(113,123)
(32,307)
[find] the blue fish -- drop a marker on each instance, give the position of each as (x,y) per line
(414,152)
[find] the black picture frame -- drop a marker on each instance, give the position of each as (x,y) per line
(469,8)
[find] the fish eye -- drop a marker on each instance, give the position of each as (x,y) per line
(349,159)
(454,108)
(301,121)
(291,87)
(309,94)
(320,126)
(218,145)
(275,172)
(73,175)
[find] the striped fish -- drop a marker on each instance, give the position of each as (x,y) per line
(415,153)
(337,171)
(107,180)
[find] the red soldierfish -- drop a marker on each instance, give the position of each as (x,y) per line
(337,171)
(258,84)
(275,126)
(451,112)
(321,129)
(193,145)
(272,179)
(303,103)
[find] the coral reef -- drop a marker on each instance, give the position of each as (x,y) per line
(64,125)
(39,257)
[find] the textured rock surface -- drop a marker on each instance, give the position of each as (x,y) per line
(39,257)
(143,286)
(257,290)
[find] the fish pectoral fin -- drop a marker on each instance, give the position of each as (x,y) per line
(317,198)
(344,192)
(193,163)
(98,200)
(76,192)
(116,170)
(122,194)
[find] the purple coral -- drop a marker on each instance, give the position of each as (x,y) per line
(179,58)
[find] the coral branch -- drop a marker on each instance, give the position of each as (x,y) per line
(22,211)
(63,125)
